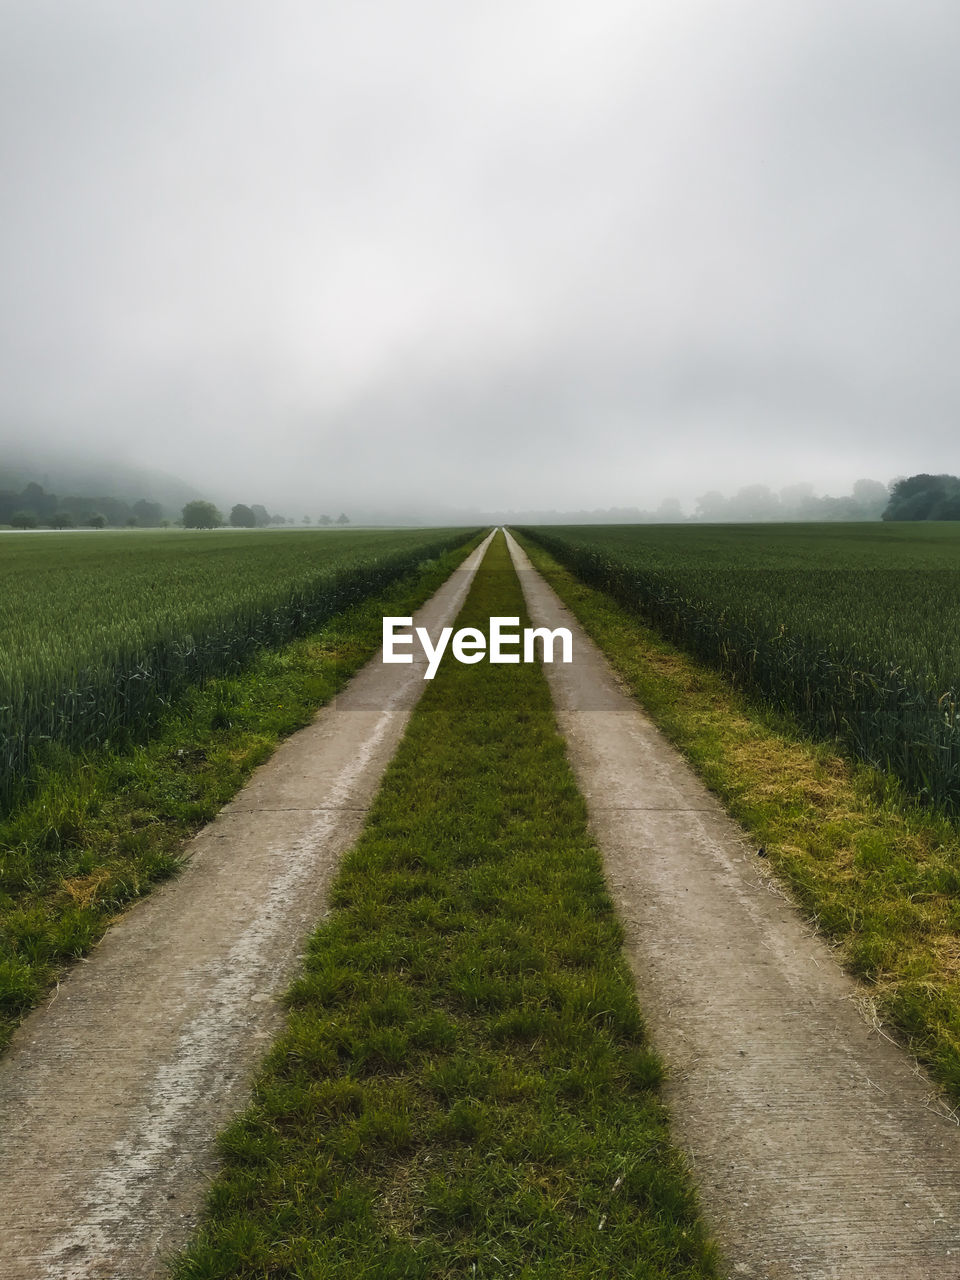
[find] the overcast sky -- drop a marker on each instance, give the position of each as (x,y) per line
(507,253)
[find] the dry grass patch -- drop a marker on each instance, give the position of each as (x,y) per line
(82,891)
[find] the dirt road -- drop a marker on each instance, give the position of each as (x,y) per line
(820,1150)
(112,1093)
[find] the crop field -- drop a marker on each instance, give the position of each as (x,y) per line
(854,629)
(99,631)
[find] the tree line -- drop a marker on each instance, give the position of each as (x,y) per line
(204,515)
(33,508)
(916,497)
(867,501)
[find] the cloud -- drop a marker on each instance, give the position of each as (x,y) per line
(526,254)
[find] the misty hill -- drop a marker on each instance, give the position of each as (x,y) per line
(32,507)
(91,477)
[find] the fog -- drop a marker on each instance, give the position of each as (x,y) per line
(502,256)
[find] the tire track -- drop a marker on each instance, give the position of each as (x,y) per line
(820,1150)
(111,1094)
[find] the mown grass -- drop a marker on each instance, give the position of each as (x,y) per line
(100,829)
(464,1087)
(876,871)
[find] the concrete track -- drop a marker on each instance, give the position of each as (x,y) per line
(819,1149)
(111,1094)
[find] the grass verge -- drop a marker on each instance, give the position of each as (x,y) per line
(101,829)
(463,1088)
(878,873)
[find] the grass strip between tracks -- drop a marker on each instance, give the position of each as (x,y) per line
(878,873)
(464,1087)
(101,829)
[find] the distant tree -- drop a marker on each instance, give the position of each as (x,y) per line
(872,497)
(711,507)
(201,515)
(147,514)
(795,499)
(131,522)
(242,517)
(843,508)
(755,502)
(114,511)
(343,519)
(62,520)
(23,520)
(306,520)
(669,512)
(278,519)
(325,520)
(42,504)
(261,515)
(31,501)
(97,521)
(924,497)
